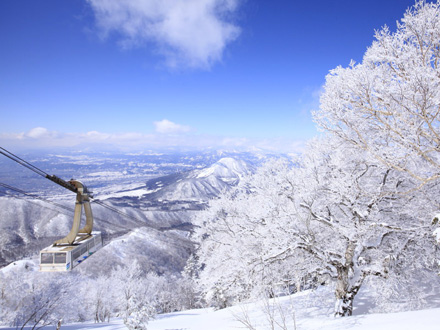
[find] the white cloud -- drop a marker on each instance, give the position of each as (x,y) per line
(189,33)
(38,132)
(168,127)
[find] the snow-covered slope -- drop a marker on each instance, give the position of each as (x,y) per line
(161,252)
(26,225)
(228,319)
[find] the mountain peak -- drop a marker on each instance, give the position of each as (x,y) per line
(226,168)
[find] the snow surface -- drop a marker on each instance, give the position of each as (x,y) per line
(436,234)
(227,319)
(309,310)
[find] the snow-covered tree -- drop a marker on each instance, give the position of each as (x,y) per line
(99,298)
(139,314)
(390,103)
(355,219)
(30,300)
(237,231)
(127,282)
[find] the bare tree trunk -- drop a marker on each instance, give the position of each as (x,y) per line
(346,291)
(344,303)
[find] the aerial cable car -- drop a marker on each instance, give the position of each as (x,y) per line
(68,252)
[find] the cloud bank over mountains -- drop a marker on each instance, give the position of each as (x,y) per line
(190,33)
(167,135)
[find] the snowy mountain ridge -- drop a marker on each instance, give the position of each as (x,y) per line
(199,185)
(225,168)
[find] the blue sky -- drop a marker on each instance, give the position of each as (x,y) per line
(157,73)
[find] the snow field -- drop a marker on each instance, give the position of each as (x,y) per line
(308,310)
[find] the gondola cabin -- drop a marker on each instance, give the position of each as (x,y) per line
(63,258)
